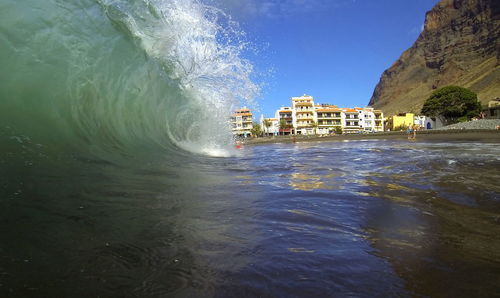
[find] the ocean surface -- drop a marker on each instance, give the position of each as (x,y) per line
(119,179)
(371,218)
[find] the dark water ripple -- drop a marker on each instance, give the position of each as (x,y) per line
(363,219)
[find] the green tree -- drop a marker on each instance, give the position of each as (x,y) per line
(284,125)
(256,130)
(338,130)
(452,104)
(267,124)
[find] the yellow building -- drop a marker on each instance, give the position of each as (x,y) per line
(242,122)
(401,121)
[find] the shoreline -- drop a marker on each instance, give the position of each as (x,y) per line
(426,135)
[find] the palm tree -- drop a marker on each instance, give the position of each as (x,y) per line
(267,124)
(256,130)
(315,126)
(283,125)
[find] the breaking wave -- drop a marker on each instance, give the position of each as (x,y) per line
(113,77)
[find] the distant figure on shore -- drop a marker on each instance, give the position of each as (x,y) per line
(409,132)
(412,132)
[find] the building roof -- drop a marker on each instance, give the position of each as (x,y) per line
(329,109)
(242,110)
(302,97)
(242,114)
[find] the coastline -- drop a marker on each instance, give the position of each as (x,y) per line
(482,135)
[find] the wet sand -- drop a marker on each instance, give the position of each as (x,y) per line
(426,135)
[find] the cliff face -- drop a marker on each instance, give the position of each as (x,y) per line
(459,45)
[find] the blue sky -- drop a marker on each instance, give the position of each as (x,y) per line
(334,50)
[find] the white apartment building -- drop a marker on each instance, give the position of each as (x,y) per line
(351,123)
(370,120)
(308,118)
(272,127)
(285,117)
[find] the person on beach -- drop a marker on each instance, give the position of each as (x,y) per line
(415,127)
(409,132)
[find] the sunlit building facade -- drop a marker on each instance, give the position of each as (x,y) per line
(285,117)
(242,122)
(401,121)
(270,126)
(308,118)
(351,123)
(329,119)
(304,120)
(379,120)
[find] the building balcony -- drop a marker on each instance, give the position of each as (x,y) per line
(329,118)
(330,124)
(328,115)
(301,125)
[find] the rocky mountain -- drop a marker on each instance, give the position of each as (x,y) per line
(458,46)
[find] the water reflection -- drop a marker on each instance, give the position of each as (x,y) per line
(300,181)
(422,206)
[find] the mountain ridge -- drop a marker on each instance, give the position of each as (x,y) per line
(459,45)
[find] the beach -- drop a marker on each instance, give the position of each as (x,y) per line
(427,135)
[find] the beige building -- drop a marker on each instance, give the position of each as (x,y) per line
(242,122)
(329,119)
(304,120)
(379,120)
(493,110)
